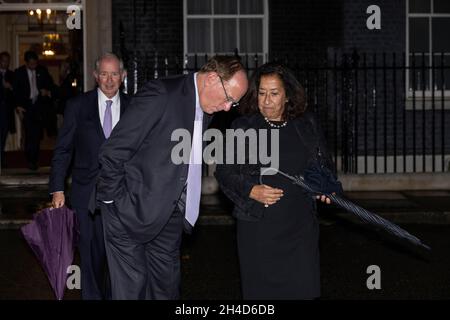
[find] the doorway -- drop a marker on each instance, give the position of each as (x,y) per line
(41,28)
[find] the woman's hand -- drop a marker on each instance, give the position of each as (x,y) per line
(324,198)
(265,194)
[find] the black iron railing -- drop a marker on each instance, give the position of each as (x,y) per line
(381,113)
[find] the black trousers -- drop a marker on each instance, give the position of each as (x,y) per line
(32,122)
(3,135)
(143,271)
(95,284)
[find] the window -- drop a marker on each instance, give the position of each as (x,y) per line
(428,47)
(224,26)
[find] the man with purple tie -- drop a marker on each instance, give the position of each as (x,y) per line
(147,198)
(88,122)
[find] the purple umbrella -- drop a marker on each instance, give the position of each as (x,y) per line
(53,235)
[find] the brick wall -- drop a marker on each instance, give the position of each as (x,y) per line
(304,28)
(159,26)
(300,30)
(313,27)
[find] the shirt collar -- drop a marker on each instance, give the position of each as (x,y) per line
(198,108)
(103,98)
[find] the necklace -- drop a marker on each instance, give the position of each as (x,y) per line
(275,126)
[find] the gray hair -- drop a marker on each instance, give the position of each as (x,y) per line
(108,55)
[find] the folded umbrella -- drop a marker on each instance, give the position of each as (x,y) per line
(53,235)
(319,180)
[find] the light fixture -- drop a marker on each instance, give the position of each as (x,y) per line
(41,19)
(48,53)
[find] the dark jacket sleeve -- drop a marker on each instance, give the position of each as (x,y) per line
(21,95)
(237,181)
(322,150)
(142,115)
(62,154)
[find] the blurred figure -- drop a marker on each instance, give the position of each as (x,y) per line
(7,123)
(32,91)
(70,85)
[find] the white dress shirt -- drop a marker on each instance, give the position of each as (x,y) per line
(115,107)
(34,92)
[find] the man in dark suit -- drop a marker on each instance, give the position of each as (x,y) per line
(7,105)
(147,197)
(32,90)
(88,121)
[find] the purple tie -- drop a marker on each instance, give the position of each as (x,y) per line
(194,180)
(107,120)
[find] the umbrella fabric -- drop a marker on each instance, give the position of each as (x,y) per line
(53,235)
(362,213)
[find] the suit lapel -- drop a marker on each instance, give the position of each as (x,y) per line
(26,82)
(94,113)
(189,107)
(123,103)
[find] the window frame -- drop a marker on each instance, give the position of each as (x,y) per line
(426,94)
(211,17)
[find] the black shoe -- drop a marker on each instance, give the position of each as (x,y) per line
(33,167)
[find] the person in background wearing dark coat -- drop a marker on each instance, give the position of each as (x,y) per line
(277,227)
(32,90)
(70,86)
(88,121)
(7,106)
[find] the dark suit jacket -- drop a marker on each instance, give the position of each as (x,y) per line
(237,180)
(22,84)
(137,171)
(7,97)
(79,140)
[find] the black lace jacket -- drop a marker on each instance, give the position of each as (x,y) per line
(237,180)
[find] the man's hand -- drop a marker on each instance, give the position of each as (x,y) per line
(58,199)
(265,194)
(20,111)
(45,93)
(7,85)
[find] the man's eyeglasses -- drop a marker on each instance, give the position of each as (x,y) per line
(227,97)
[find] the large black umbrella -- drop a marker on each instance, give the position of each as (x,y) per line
(365,215)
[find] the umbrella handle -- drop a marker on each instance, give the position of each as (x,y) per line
(295,180)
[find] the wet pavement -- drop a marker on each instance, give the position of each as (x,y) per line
(209,258)
(210,268)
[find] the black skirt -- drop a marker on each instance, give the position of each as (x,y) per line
(279,254)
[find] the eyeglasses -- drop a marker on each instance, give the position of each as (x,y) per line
(105,75)
(227,97)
